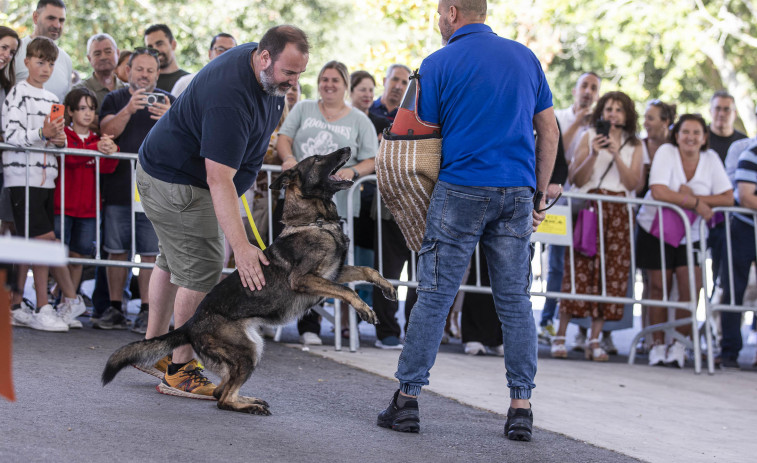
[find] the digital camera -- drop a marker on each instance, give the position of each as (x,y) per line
(153,98)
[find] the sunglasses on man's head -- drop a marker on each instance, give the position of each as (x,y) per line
(146,51)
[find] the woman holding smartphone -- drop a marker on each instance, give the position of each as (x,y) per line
(608,161)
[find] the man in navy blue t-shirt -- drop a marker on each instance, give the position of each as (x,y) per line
(194,165)
(126,115)
(488,94)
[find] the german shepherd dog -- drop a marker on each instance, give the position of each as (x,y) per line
(306,266)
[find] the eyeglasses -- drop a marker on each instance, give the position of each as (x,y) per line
(219,50)
(146,51)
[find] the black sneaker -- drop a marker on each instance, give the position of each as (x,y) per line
(140,323)
(727,363)
(405,419)
(519,423)
(112,319)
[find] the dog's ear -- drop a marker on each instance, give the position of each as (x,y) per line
(282,181)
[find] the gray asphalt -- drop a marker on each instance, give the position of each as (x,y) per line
(322,411)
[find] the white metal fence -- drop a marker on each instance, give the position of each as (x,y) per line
(564,236)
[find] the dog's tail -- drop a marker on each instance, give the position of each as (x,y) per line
(144,353)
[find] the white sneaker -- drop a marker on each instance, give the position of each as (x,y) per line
(474,348)
(607,344)
(751,340)
(70,309)
(498,350)
(579,343)
(310,339)
(676,355)
(657,355)
(23,316)
(47,320)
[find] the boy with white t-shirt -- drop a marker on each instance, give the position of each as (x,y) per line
(26,122)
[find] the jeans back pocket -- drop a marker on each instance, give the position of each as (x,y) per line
(463,213)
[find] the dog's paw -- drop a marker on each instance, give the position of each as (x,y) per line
(259,410)
(390,293)
(369,316)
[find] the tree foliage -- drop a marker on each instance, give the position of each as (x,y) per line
(680,51)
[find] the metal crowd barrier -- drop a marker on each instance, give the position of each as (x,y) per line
(713,305)
(412,282)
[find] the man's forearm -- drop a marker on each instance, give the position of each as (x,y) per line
(225,203)
(116,124)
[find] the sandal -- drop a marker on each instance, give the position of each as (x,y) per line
(596,354)
(558,351)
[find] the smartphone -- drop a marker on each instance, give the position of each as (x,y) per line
(603,127)
(58,110)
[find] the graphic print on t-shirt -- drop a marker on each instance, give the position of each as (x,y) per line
(322,143)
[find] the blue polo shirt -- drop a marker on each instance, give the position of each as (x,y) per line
(379,109)
(484,90)
(223,115)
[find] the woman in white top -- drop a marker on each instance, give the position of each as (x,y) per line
(689,175)
(608,165)
(318,128)
(658,120)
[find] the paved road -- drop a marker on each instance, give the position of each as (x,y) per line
(322,411)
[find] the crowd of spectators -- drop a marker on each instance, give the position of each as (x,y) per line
(683,161)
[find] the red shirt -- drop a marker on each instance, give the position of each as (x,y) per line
(80,176)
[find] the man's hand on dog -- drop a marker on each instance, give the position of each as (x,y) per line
(248,260)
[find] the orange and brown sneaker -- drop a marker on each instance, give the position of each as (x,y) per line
(188,382)
(158,370)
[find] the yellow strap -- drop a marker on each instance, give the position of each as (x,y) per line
(252,222)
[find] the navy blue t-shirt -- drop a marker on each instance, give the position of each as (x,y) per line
(484,90)
(116,187)
(224,115)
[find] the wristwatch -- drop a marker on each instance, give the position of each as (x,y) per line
(357,174)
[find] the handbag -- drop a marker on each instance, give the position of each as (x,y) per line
(407,166)
(585,233)
(673,227)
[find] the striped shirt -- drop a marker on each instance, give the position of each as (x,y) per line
(746,172)
(24,112)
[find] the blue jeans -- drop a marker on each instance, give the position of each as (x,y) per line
(742,239)
(459,217)
(554,282)
(80,234)
(117,232)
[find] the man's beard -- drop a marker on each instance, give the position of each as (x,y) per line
(445,29)
(53,33)
(148,88)
(163,63)
(270,86)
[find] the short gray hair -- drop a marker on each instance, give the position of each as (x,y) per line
(394,66)
(469,8)
(99,38)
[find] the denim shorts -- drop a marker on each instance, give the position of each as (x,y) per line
(191,240)
(117,232)
(80,234)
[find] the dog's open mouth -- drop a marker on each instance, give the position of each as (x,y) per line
(336,178)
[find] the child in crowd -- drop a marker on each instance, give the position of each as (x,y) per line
(81,200)
(26,122)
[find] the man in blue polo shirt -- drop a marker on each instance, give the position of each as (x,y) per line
(742,239)
(395,83)
(193,166)
(488,94)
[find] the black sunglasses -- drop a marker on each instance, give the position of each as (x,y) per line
(145,51)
